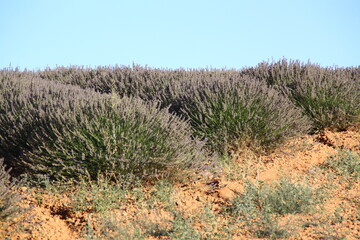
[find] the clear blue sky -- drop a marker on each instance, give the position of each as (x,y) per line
(184,33)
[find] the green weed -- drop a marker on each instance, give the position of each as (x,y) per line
(98,196)
(261,205)
(345,164)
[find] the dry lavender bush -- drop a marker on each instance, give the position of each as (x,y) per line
(62,131)
(328,96)
(240,112)
(330,101)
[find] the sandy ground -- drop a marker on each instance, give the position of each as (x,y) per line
(52,218)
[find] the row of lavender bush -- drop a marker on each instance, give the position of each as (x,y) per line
(66,122)
(328,96)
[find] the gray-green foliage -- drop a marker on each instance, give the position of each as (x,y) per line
(98,196)
(9,199)
(111,227)
(66,132)
(328,96)
(43,111)
(260,206)
(329,101)
(181,228)
(129,137)
(163,193)
(232,113)
(281,198)
(346,164)
(25,103)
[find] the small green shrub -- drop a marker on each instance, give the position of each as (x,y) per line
(98,196)
(260,206)
(234,113)
(182,229)
(163,193)
(282,198)
(346,164)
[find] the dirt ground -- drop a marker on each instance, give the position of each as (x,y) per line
(51,217)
